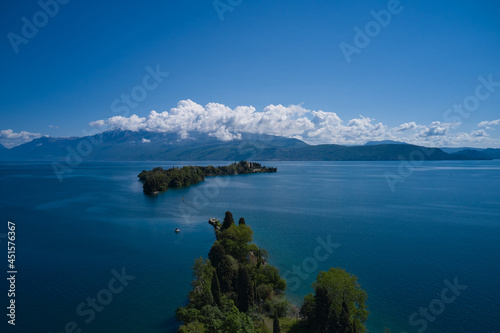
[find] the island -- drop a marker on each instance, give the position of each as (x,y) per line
(236,290)
(159,179)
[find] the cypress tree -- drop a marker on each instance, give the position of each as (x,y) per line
(217,252)
(226,275)
(216,289)
(245,290)
(322,310)
(228,220)
(241,221)
(276,325)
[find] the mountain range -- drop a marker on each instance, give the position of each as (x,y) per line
(118,145)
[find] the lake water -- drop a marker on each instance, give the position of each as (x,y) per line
(441,223)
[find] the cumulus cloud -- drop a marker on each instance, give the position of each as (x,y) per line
(9,138)
(144,140)
(478,134)
(437,128)
(98,123)
(488,124)
(293,121)
(406,127)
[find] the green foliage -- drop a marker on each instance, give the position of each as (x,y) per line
(187,314)
(235,241)
(276,325)
(237,291)
(277,307)
(241,221)
(201,293)
(193,327)
(226,279)
(216,254)
(245,289)
(159,179)
(270,275)
(215,288)
(338,303)
(228,221)
(264,291)
(227,271)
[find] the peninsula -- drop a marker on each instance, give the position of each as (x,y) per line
(159,179)
(236,290)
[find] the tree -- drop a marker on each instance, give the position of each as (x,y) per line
(338,304)
(226,271)
(216,254)
(276,325)
(216,289)
(324,319)
(245,289)
(228,220)
(235,241)
(201,293)
(277,307)
(194,327)
(241,221)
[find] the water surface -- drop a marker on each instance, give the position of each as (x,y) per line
(441,223)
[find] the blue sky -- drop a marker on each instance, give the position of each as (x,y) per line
(283,58)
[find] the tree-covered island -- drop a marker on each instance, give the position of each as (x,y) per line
(160,179)
(235,290)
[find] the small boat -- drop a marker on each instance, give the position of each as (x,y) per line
(177,230)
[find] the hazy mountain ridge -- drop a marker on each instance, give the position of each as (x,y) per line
(116,145)
(385,142)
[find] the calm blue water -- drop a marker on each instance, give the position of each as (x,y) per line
(441,223)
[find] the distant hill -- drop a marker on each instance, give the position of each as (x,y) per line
(472,153)
(456,150)
(384,142)
(118,145)
(2,148)
(493,153)
(389,152)
(478,153)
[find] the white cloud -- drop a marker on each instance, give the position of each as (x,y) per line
(98,123)
(144,140)
(294,121)
(437,128)
(478,134)
(406,126)
(10,139)
(487,124)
